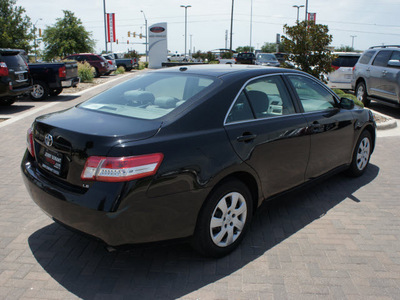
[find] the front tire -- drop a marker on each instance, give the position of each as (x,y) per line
(40,91)
(361,155)
(224,219)
(361,94)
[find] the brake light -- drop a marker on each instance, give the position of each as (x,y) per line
(110,62)
(335,67)
(62,72)
(131,62)
(3,69)
(119,169)
(29,142)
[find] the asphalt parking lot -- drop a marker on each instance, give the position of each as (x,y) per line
(339,239)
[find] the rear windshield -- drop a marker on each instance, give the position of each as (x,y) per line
(266,57)
(150,96)
(13,60)
(345,61)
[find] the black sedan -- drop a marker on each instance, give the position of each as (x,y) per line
(191,152)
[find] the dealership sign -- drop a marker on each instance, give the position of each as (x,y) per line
(111,36)
(158,49)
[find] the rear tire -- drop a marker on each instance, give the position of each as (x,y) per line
(361,94)
(224,219)
(7,101)
(361,155)
(40,91)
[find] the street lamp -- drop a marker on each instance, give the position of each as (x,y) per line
(34,35)
(185,7)
(145,25)
(230,47)
(298,8)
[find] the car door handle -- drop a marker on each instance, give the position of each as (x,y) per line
(246,137)
(384,72)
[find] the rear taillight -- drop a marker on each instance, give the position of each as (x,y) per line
(29,142)
(131,61)
(110,62)
(118,169)
(62,72)
(3,69)
(335,67)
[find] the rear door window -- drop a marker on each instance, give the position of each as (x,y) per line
(382,58)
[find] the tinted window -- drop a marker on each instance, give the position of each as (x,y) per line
(94,57)
(345,61)
(382,58)
(365,59)
(149,96)
(262,98)
(395,55)
(13,60)
(313,96)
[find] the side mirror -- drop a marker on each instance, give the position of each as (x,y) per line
(346,103)
(394,63)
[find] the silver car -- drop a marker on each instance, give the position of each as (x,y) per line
(377,75)
(112,65)
(267,59)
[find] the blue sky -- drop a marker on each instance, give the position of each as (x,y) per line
(372,22)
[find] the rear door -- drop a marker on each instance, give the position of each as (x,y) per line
(392,79)
(267,133)
(331,128)
(379,85)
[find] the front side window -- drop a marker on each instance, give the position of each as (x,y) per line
(262,98)
(150,96)
(313,96)
(382,58)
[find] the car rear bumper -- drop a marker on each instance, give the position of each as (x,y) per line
(138,219)
(15,92)
(70,82)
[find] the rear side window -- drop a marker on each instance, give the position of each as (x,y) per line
(94,58)
(366,58)
(345,61)
(150,96)
(382,58)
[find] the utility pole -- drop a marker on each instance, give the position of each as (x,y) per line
(226,39)
(146,33)
(306,10)
(251,22)
(352,40)
(185,7)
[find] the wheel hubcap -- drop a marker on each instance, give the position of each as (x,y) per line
(38,91)
(228,219)
(360,93)
(363,154)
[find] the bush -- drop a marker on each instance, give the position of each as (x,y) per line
(85,72)
(143,65)
(341,94)
(120,70)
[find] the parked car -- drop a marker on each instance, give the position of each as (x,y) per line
(112,65)
(178,57)
(343,64)
(127,63)
(248,58)
(377,75)
(15,79)
(267,59)
(98,62)
(140,162)
(52,78)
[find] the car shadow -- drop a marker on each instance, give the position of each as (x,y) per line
(59,98)
(168,271)
(385,109)
(14,109)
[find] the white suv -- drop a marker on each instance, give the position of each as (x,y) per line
(343,74)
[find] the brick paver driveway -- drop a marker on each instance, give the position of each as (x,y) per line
(337,240)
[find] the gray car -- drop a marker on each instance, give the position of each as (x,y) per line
(267,59)
(377,75)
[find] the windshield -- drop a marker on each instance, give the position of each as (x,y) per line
(149,96)
(266,57)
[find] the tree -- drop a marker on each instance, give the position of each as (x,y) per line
(15,26)
(271,48)
(345,49)
(307,44)
(67,36)
(245,49)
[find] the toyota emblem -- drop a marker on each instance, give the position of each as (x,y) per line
(48,140)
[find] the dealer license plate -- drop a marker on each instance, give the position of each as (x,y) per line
(52,161)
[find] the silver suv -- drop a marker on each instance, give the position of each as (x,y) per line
(377,75)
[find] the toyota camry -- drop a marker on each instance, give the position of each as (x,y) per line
(191,152)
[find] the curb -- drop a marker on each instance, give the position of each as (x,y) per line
(390,124)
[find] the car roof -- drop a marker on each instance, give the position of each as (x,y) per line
(218,70)
(347,53)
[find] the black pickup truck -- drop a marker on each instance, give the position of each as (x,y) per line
(51,78)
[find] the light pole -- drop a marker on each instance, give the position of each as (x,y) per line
(185,7)
(145,25)
(352,40)
(230,47)
(306,10)
(298,8)
(105,24)
(35,40)
(251,22)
